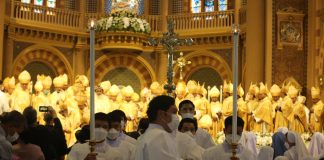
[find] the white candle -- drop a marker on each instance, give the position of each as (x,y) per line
(235,79)
(92,80)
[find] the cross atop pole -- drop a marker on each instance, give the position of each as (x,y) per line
(170,40)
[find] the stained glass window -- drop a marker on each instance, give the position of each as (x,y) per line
(222,5)
(25,1)
(209,5)
(195,6)
(51,3)
(38,2)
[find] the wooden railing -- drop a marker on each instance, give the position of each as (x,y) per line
(210,20)
(66,18)
(56,16)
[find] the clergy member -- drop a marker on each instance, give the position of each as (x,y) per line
(216,110)
(203,138)
(279,119)
(158,141)
(317,110)
(224,151)
(21,97)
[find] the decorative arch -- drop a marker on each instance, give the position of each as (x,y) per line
(48,55)
(136,64)
(201,59)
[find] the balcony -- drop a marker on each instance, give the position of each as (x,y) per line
(213,26)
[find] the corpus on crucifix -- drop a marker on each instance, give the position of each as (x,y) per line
(170,41)
(181,62)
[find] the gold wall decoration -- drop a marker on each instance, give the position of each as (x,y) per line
(290,28)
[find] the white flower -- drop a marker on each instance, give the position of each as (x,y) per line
(126,22)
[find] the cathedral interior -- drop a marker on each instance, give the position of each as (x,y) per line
(279,41)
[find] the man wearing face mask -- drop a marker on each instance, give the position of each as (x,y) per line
(158,141)
(113,141)
(11,124)
(224,151)
(102,150)
(122,135)
(202,138)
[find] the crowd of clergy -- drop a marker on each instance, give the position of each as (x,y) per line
(150,125)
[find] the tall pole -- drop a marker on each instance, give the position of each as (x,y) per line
(235,79)
(92,81)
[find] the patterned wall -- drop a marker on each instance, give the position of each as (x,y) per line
(207,76)
(289,61)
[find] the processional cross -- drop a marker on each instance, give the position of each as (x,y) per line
(170,40)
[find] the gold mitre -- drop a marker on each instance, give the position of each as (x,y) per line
(315,92)
(47,82)
(65,79)
(38,86)
(82,79)
(114,90)
(240,91)
(192,86)
(127,91)
(12,82)
(145,92)
(24,77)
(81,98)
(226,88)
(135,97)
(275,90)
(5,83)
(230,86)
(155,88)
(58,82)
(205,122)
(301,99)
(105,85)
(263,88)
(292,92)
(214,92)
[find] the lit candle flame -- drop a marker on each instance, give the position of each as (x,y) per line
(92,23)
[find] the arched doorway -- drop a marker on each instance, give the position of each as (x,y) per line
(36,67)
(123,76)
(207,76)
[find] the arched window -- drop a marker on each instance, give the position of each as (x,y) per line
(222,5)
(195,6)
(198,6)
(51,3)
(25,1)
(38,2)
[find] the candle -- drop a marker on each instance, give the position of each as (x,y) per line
(92,79)
(235,79)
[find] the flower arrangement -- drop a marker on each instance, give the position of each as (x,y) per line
(123,21)
(220,137)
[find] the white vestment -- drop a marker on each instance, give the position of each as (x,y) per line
(80,151)
(4,103)
(127,138)
(124,147)
(187,147)
(266,153)
(299,150)
(224,152)
(204,139)
(316,145)
(156,144)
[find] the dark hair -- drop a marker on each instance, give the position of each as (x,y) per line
(14,117)
(83,134)
(119,113)
(188,120)
(162,102)
(101,116)
(26,136)
(48,117)
(31,115)
(114,117)
(229,120)
(182,103)
(143,125)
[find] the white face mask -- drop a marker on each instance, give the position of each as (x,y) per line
(187,115)
(229,138)
(189,133)
(173,125)
(101,134)
(112,134)
(287,145)
(13,138)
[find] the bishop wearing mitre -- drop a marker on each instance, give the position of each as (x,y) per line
(21,97)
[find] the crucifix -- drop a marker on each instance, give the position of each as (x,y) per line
(170,41)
